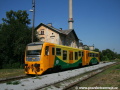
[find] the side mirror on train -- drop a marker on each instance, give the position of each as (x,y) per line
(25,64)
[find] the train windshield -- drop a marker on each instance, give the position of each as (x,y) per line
(33,53)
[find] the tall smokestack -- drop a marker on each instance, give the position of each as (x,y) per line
(70,21)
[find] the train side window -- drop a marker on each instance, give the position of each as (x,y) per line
(90,54)
(76,55)
(53,51)
(96,55)
(79,53)
(64,55)
(82,54)
(58,51)
(47,50)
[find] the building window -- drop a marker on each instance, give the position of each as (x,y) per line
(42,32)
(42,39)
(64,55)
(58,51)
(76,55)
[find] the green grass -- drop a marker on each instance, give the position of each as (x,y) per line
(6,73)
(13,82)
(108,78)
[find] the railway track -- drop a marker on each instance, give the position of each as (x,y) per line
(73,81)
(2,80)
(56,81)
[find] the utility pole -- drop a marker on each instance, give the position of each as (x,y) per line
(33,18)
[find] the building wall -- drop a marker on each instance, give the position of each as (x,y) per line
(91,47)
(71,40)
(62,40)
(46,35)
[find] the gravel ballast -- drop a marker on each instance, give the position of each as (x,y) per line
(44,80)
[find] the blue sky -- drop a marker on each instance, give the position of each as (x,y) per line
(95,21)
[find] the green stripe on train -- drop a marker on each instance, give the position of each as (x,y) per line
(93,61)
(65,65)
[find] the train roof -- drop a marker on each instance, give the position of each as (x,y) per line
(40,43)
(35,43)
(67,47)
(94,52)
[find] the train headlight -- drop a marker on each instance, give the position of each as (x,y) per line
(36,65)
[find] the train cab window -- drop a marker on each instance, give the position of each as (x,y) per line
(53,51)
(47,50)
(64,55)
(58,51)
(76,55)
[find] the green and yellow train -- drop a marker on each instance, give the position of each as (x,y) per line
(40,57)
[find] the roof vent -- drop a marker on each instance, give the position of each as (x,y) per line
(49,24)
(60,28)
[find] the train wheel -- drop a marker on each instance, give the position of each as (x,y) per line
(80,65)
(90,64)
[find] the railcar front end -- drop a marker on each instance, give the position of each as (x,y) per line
(33,58)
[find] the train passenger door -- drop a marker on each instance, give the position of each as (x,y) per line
(46,57)
(51,56)
(70,57)
(85,58)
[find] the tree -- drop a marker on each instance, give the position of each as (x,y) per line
(96,50)
(19,17)
(14,34)
(108,54)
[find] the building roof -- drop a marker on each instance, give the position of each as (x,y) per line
(63,32)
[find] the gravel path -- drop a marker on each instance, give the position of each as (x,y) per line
(44,80)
